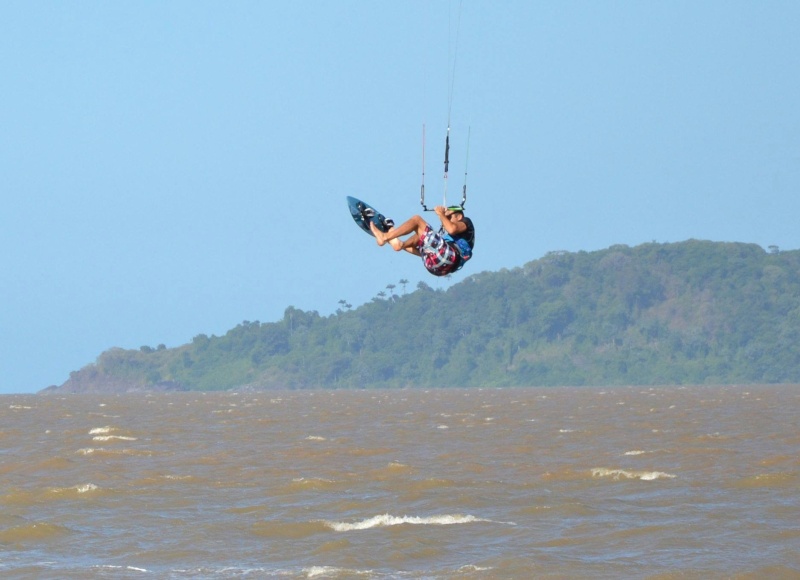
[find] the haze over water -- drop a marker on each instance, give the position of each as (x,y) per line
(673,482)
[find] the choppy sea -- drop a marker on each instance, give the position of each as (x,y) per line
(672,482)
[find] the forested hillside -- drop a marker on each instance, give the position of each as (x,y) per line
(684,313)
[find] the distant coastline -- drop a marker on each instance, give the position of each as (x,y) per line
(694,312)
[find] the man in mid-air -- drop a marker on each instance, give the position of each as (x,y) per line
(444,251)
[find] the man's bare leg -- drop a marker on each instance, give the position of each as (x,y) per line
(410,245)
(415,225)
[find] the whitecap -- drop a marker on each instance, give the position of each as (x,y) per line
(656,475)
(113,567)
(312,480)
(473,568)
(315,571)
(642,475)
(386,520)
(85,488)
(112,437)
(315,438)
(100,430)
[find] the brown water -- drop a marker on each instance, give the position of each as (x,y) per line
(675,482)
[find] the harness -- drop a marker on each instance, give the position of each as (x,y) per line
(463,251)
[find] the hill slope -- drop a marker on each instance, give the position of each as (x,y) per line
(690,312)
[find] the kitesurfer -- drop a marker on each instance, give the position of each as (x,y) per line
(444,251)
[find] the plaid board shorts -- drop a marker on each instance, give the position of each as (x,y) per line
(439,256)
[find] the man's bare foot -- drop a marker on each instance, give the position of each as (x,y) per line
(377,233)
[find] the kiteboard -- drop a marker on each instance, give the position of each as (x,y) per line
(363,214)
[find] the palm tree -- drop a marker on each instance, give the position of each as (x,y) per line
(403,283)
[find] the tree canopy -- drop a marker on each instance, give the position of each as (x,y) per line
(685,313)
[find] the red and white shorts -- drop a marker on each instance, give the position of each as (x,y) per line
(439,256)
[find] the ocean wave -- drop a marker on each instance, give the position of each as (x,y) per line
(103,451)
(84,488)
(327,571)
(115,568)
(101,430)
(31,532)
(767,480)
(399,466)
(431,483)
(312,483)
(113,437)
(387,520)
(288,530)
(642,475)
(472,568)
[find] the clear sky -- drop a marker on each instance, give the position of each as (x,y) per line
(174,168)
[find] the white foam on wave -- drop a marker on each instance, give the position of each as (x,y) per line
(312,480)
(113,437)
(85,488)
(112,567)
(473,568)
(315,438)
(103,450)
(636,452)
(101,430)
(387,520)
(642,475)
(315,571)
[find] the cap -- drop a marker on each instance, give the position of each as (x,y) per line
(455,208)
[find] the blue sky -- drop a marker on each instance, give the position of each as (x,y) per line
(174,168)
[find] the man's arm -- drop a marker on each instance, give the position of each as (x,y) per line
(450,227)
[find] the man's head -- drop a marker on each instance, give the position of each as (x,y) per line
(454,212)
